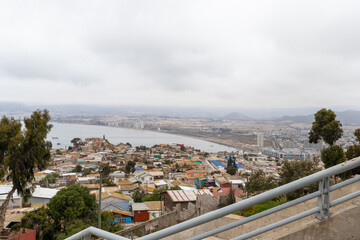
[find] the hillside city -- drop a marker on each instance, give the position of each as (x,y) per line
(139,186)
(173,120)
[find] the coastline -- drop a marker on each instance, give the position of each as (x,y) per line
(204,138)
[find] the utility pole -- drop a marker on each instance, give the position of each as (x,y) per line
(99,219)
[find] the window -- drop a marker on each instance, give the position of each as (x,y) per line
(122,220)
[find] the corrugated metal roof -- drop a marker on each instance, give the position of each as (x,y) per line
(39,192)
(217,163)
(187,195)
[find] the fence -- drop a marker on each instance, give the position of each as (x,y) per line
(322,209)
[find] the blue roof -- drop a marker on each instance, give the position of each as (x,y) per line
(238,166)
(138,169)
(217,163)
(124,205)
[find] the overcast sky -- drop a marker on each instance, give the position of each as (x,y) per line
(239,54)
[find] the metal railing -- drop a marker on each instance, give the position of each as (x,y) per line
(322,209)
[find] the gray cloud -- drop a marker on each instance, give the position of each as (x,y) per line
(256,54)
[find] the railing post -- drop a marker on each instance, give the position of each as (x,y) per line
(324,198)
(326,206)
(320,200)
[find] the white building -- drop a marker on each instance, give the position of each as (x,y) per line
(39,196)
(260,140)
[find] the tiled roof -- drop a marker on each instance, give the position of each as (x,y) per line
(128,187)
(120,212)
(126,182)
(195,171)
(115,194)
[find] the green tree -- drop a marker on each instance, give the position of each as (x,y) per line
(106,171)
(325,127)
(155,196)
(71,210)
(22,152)
(71,228)
(130,167)
(215,172)
(231,170)
(74,202)
(294,170)
(75,226)
(204,154)
(168,162)
(58,152)
(353,152)
(78,168)
(76,141)
(259,182)
(231,166)
(50,178)
(357,134)
(41,222)
(138,195)
(86,171)
(332,156)
(108,222)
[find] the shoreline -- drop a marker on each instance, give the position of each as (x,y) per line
(208,139)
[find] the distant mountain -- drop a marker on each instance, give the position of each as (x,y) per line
(296,119)
(13,107)
(350,117)
(130,111)
(347,118)
(237,116)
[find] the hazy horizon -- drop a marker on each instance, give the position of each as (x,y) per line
(162,110)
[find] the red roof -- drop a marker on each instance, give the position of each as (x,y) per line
(194,171)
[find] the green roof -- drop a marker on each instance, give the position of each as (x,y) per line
(80,160)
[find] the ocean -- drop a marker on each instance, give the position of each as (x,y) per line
(62,133)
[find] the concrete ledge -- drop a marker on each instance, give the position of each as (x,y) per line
(343,224)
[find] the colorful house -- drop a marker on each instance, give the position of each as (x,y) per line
(191,175)
(140,211)
(182,198)
(120,211)
(118,205)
